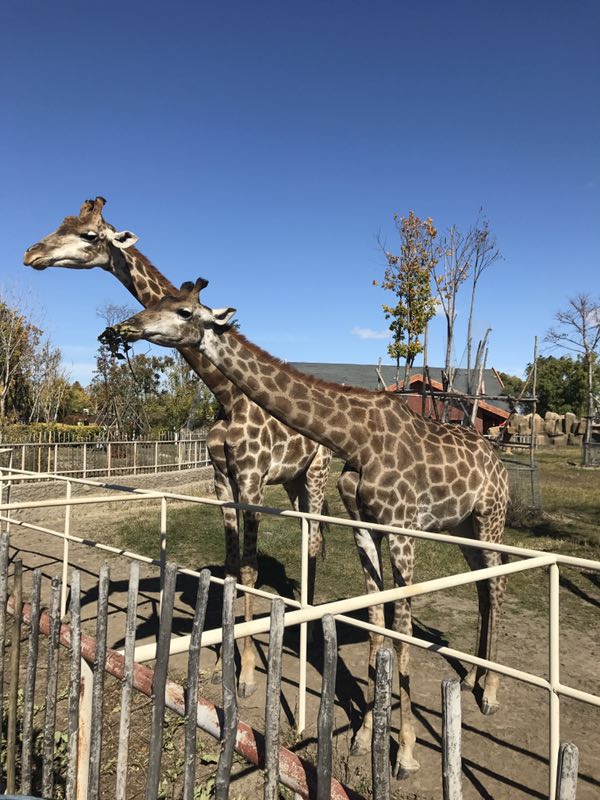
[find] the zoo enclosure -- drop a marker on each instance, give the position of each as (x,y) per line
(300,613)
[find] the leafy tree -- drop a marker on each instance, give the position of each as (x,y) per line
(562,384)
(512,385)
(408,276)
(19,338)
(77,399)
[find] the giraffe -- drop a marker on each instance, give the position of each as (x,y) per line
(249,449)
(401,470)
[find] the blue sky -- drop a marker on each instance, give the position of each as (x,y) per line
(265,146)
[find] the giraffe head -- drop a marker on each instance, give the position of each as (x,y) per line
(177,320)
(80,242)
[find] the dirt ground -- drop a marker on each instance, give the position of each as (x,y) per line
(504,756)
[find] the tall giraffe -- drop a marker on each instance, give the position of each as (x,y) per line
(401,470)
(249,449)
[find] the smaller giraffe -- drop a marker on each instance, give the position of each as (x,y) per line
(401,471)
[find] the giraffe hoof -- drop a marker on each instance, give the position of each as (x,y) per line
(487,708)
(404,771)
(246,689)
(358,748)
(466,685)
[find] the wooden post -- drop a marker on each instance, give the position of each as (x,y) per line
(451,740)
(85,730)
(191,717)
(568,762)
(160,679)
(98,686)
(380,742)
(273,701)
(74,685)
(3,598)
(326,709)
(132,599)
(13,692)
(424,384)
(30,681)
(84,459)
(230,711)
(534,498)
(51,689)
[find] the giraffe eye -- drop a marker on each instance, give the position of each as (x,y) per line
(184,313)
(89,236)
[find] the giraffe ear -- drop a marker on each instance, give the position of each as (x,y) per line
(222,316)
(123,239)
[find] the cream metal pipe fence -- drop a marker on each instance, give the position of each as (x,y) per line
(303,613)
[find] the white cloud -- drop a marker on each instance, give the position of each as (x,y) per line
(369,333)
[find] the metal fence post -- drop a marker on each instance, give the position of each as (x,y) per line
(301,722)
(67,533)
(554,675)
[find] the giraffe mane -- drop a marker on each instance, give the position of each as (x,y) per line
(318,382)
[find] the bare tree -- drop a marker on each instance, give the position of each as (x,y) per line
(484,252)
(449,275)
(49,383)
(578,330)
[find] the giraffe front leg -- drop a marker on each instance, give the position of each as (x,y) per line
(248,576)
(226,492)
(406,763)
(490,595)
(369,549)
(402,558)
(496,589)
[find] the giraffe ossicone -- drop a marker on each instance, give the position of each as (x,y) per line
(401,470)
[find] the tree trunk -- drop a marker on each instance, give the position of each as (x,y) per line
(470,338)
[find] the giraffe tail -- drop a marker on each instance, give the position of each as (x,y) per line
(324,527)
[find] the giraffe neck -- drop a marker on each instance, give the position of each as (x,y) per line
(148,285)
(329,414)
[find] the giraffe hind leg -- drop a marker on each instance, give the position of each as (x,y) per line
(490,595)
(369,551)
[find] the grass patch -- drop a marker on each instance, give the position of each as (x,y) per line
(568,523)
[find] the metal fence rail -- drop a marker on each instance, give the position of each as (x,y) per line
(300,613)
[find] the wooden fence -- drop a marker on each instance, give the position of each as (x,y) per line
(109,457)
(32,764)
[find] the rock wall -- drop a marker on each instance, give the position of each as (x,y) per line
(554,430)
